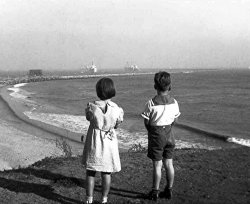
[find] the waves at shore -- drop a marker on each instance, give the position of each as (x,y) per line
(79,124)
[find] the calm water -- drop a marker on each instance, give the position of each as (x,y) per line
(216,100)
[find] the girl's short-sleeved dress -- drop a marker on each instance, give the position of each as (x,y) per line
(100,151)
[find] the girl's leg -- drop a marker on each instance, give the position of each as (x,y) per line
(106,182)
(90,178)
(168,165)
(157,165)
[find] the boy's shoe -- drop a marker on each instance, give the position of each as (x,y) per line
(153,195)
(167,193)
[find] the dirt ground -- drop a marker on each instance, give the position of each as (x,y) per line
(201,176)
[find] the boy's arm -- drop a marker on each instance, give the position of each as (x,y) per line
(146,123)
(146,114)
(178,113)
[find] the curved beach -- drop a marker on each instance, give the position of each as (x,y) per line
(47,123)
(18,141)
(22,143)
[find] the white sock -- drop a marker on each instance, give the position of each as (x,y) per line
(89,199)
(104,199)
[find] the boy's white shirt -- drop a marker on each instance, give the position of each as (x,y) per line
(160,115)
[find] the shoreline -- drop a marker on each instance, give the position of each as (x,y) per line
(72,127)
(36,114)
(22,142)
(227,137)
(19,107)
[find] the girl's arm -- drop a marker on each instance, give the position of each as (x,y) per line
(120,119)
(117,124)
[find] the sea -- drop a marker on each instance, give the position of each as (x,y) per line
(214,105)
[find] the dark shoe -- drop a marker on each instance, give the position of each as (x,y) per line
(167,193)
(153,195)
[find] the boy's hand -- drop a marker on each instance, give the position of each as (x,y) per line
(146,123)
(175,121)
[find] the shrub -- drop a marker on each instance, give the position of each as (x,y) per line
(65,147)
(137,148)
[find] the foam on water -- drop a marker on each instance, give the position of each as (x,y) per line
(240,141)
(79,124)
(17,91)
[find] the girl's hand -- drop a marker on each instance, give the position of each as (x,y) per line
(120,119)
(82,138)
(118,122)
(88,113)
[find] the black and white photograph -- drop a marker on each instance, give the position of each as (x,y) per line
(125,101)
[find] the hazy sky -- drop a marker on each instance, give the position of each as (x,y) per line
(68,34)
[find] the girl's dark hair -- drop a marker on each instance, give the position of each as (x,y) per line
(105,88)
(162,81)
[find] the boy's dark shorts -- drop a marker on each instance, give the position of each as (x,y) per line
(161,142)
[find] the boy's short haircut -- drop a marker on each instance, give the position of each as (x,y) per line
(105,88)
(162,81)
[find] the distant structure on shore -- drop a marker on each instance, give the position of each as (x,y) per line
(131,68)
(89,69)
(35,73)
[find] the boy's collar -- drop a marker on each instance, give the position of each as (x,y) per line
(163,93)
(163,99)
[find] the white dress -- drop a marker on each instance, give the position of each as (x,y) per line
(100,151)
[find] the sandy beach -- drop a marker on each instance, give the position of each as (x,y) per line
(22,143)
(21,149)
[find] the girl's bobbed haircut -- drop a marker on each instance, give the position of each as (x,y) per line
(162,81)
(105,88)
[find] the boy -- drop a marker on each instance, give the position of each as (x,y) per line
(159,115)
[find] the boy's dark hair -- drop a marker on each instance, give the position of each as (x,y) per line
(162,81)
(105,88)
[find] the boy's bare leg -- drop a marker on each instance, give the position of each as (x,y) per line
(157,165)
(106,182)
(168,165)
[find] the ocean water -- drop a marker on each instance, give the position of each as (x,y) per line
(215,101)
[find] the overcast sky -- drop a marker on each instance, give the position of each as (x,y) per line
(68,34)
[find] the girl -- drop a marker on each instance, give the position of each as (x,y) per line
(100,152)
